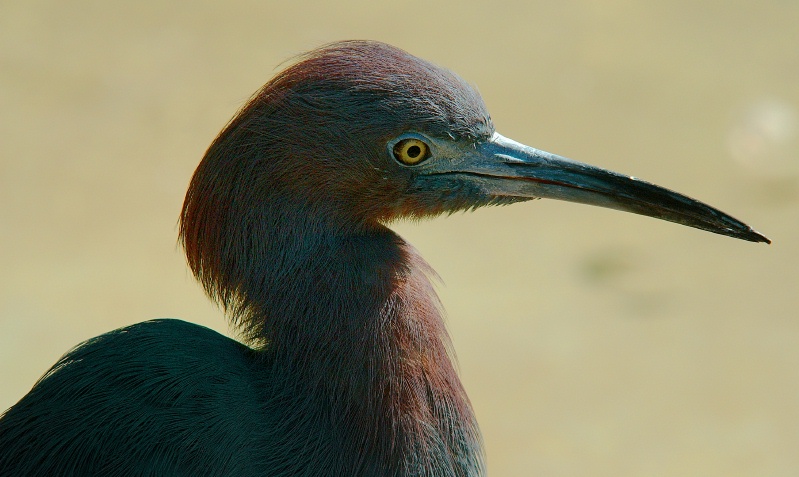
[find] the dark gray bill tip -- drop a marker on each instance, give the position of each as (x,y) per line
(753,236)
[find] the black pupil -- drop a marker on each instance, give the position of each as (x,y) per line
(414,151)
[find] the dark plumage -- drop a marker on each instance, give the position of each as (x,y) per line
(344,368)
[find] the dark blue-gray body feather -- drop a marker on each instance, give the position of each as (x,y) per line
(162,397)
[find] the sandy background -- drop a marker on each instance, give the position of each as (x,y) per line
(592,342)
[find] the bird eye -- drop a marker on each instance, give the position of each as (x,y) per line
(411,151)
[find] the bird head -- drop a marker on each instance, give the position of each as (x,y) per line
(363,132)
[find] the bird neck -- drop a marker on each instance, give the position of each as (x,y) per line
(352,319)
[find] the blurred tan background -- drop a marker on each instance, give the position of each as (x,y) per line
(591,342)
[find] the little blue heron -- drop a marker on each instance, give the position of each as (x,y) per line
(344,367)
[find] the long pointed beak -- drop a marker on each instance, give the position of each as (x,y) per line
(503,167)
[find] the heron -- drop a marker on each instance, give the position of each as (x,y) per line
(342,366)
